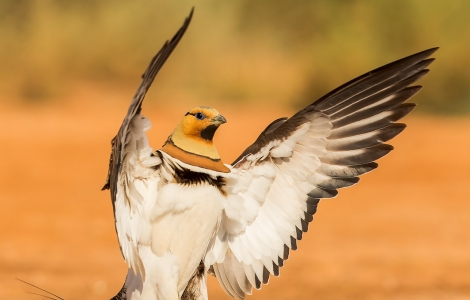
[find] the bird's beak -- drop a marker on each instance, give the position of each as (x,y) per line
(218,120)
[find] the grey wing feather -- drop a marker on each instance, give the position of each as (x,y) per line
(361,116)
(118,142)
(344,104)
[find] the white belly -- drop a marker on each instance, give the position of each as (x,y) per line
(183,222)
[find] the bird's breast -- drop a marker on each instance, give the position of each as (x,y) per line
(184,220)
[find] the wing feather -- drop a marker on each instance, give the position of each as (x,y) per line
(224,283)
(297,161)
(250,275)
(242,280)
(346,171)
(232,276)
(132,177)
(367,139)
(378,121)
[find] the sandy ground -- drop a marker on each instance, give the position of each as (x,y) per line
(401,233)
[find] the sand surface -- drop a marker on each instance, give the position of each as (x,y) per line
(402,233)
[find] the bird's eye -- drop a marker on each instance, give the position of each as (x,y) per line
(199,116)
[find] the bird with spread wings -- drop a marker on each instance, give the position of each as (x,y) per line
(181,213)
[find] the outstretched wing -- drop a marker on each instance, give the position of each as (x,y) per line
(131,165)
(295,162)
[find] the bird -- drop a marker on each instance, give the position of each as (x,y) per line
(182,214)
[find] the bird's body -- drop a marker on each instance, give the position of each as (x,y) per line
(171,209)
(182,213)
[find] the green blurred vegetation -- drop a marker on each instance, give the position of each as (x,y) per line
(289,52)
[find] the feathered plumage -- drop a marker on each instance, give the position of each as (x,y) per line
(181,212)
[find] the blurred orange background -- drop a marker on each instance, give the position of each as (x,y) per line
(69,72)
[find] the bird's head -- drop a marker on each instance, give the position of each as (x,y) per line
(194,135)
(199,124)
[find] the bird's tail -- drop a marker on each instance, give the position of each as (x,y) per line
(121,295)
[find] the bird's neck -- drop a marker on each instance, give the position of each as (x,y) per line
(196,153)
(194,144)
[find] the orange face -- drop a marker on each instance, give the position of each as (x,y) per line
(195,132)
(201,122)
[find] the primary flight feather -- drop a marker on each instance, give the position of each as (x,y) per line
(181,213)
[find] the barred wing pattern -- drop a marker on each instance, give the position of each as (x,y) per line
(279,180)
(131,165)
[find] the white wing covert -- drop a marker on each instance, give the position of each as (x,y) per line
(136,193)
(132,176)
(279,180)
